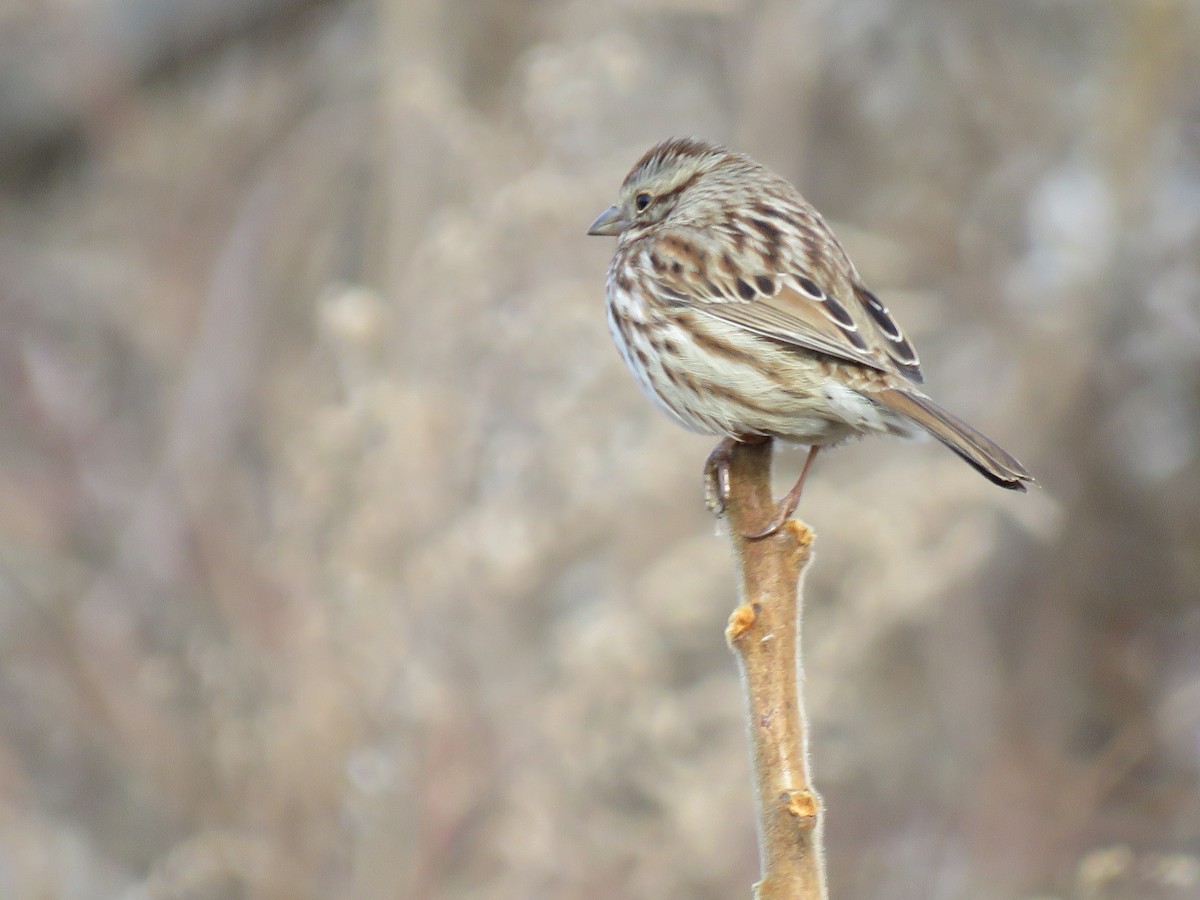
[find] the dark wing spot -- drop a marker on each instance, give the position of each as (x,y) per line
(856,339)
(839,314)
(676,267)
(657,262)
(880,314)
(811,288)
(765,284)
(902,352)
(836,312)
(744,289)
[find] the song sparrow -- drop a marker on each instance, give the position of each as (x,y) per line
(739,314)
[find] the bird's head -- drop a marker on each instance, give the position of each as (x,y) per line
(669,174)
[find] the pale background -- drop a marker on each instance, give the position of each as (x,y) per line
(340,557)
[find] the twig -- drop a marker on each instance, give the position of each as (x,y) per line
(764,633)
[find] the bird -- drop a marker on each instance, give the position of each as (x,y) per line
(739,313)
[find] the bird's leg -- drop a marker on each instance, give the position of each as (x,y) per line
(716,471)
(716,476)
(788,504)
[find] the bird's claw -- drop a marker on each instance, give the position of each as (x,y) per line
(716,477)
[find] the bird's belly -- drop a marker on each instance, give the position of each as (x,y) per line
(735,383)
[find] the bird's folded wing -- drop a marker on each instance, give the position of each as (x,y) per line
(787,317)
(793,308)
(803,328)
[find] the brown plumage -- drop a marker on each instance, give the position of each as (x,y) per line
(740,315)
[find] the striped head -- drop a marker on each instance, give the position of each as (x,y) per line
(668,183)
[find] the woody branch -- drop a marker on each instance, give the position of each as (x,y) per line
(764,633)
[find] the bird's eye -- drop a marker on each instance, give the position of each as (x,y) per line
(641,201)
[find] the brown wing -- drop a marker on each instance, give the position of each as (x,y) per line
(789,307)
(895,344)
(793,317)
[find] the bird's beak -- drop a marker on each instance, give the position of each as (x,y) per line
(609,223)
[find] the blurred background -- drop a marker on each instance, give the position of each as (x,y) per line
(341,557)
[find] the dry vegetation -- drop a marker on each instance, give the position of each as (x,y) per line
(340,557)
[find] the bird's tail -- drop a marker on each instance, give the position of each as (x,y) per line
(984,454)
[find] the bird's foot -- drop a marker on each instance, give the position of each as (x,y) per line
(716,476)
(787,505)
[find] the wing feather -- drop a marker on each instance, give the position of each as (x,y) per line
(895,343)
(799,323)
(790,307)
